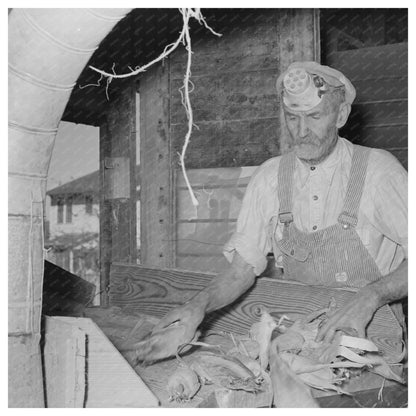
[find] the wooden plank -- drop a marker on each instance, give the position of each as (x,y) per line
(234,25)
(157,192)
(263,59)
(65,365)
(156,291)
(381,89)
(377,62)
(382,136)
(298,37)
(234,51)
(379,113)
(117,214)
(231,143)
(228,97)
(109,380)
(234,101)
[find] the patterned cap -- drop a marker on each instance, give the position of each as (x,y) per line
(304,83)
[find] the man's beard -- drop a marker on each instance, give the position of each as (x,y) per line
(312,150)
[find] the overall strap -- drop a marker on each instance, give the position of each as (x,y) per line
(349,215)
(285,187)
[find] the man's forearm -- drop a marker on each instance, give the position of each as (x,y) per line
(389,288)
(227,286)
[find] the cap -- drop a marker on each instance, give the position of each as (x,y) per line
(304,83)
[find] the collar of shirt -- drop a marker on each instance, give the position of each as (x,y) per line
(326,169)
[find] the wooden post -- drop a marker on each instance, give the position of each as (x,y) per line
(157,191)
(299,40)
(118,183)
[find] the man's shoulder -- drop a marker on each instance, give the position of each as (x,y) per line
(381,163)
(269,167)
(266,173)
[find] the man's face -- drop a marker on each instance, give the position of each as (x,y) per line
(314,132)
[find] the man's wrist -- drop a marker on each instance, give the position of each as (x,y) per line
(200,301)
(372,296)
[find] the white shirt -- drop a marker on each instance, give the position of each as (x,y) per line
(318,198)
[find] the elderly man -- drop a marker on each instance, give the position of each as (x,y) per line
(333,213)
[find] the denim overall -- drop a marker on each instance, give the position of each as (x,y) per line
(334,256)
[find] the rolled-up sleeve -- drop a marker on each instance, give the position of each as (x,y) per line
(251,238)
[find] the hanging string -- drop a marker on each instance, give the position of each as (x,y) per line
(185,90)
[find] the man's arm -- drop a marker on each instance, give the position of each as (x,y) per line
(223,289)
(391,287)
(360,310)
(179,325)
(226,287)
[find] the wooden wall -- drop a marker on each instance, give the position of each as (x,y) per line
(235,107)
(379,116)
(235,103)
(370,47)
(118,183)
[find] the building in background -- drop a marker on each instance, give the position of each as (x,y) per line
(73,225)
(72,233)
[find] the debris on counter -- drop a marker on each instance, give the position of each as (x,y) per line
(256,369)
(183,384)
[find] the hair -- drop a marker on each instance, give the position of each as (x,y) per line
(336,95)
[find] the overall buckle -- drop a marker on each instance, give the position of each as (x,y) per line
(285,217)
(346,220)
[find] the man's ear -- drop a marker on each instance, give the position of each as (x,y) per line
(343,113)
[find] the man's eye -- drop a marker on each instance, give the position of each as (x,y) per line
(316,117)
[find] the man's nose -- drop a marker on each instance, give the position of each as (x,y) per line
(303,129)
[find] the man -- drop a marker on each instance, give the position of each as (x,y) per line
(333,213)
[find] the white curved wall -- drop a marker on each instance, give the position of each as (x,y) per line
(48,49)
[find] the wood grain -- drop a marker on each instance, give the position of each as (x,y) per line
(156,209)
(378,62)
(379,115)
(117,211)
(232,143)
(234,100)
(155,291)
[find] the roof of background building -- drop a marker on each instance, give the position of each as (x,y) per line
(85,184)
(88,184)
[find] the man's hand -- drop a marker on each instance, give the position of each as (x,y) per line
(353,318)
(177,327)
(180,324)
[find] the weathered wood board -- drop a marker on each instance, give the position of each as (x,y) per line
(84,369)
(155,291)
(379,116)
(156,173)
(65,360)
